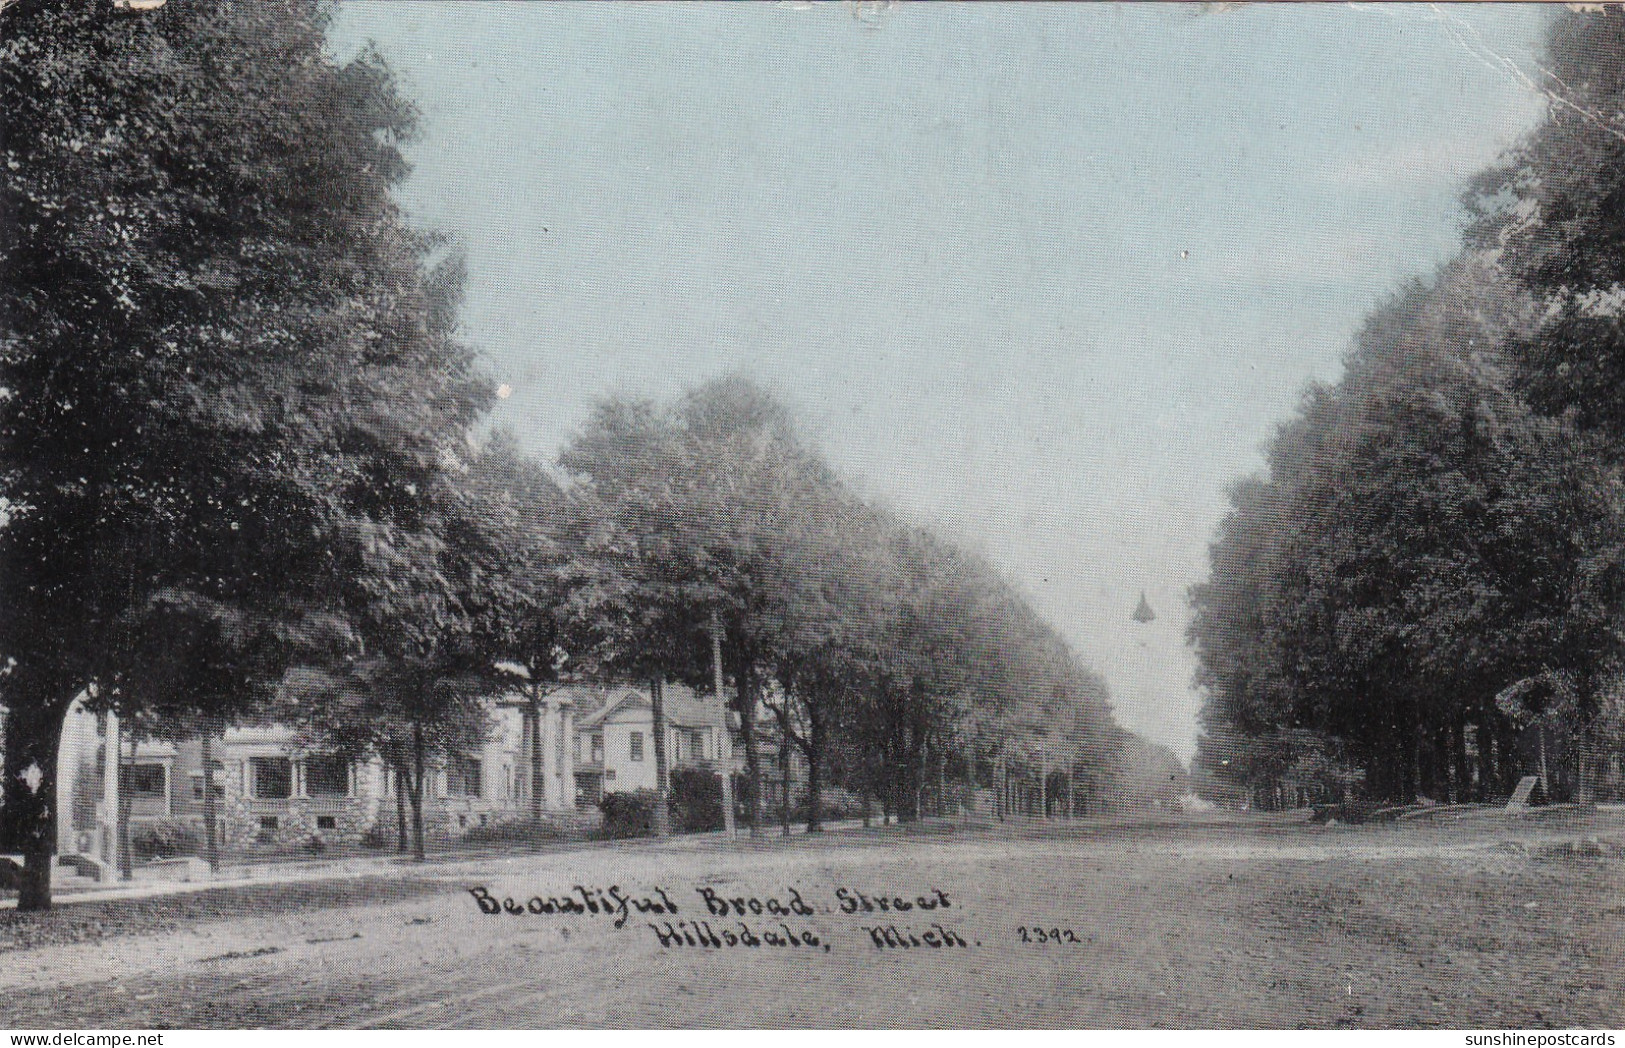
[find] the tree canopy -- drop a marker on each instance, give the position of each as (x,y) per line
(229,368)
(1433,556)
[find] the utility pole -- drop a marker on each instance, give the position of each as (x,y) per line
(1545,784)
(725,749)
(1043,782)
(210,817)
(657,701)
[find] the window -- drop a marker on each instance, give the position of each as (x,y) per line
(578,749)
(197,786)
(597,749)
(273,778)
(268,827)
(463,775)
(327,822)
(327,776)
(145,781)
(637,745)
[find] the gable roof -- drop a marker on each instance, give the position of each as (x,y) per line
(631,697)
(684,709)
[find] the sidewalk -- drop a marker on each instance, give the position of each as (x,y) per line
(243,876)
(301,871)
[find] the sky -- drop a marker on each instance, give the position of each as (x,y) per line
(1045,277)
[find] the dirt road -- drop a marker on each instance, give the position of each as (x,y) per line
(1246,923)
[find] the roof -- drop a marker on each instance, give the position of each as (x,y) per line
(684,708)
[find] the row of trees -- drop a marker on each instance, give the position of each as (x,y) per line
(1432,563)
(883,653)
(247,472)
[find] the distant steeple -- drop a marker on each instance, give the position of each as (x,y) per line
(1143,613)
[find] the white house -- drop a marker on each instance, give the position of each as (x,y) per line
(272,794)
(614,742)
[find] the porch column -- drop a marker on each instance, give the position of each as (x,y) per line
(546,733)
(110,800)
(567,746)
(68,761)
(530,774)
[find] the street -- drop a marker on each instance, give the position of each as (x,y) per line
(1244,921)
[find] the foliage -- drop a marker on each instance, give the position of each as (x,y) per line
(1422,541)
(243,476)
(224,355)
(514,831)
(880,649)
(1434,557)
(627,814)
(163,839)
(696,800)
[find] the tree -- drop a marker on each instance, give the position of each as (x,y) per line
(681,512)
(822,622)
(519,513)
(433,619)
(1551,214)
(1423,540)
(220,341)
(633,582)
(872,644)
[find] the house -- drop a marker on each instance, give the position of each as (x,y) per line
(272,794)
(614,744)
(614,739)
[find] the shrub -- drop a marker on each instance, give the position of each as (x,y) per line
(1354,812)
(375,837)
(628,814)
(162,840)
(834,806)
(696,800)
(514,831)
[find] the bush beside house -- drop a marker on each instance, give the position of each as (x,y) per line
(696,800)
(628,814)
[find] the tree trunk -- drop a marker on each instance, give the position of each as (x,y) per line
(815,770)
(784,767)
(928,802)
(1413,760)
(418,762)
(211,821)
(1427,763)
(28,809)
(538,777)
(1508,763)
(745,685)
(1442,762)
(657,702)
(942,783)
(403,842)
(121,819)
(1484,742)
(1463,777)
